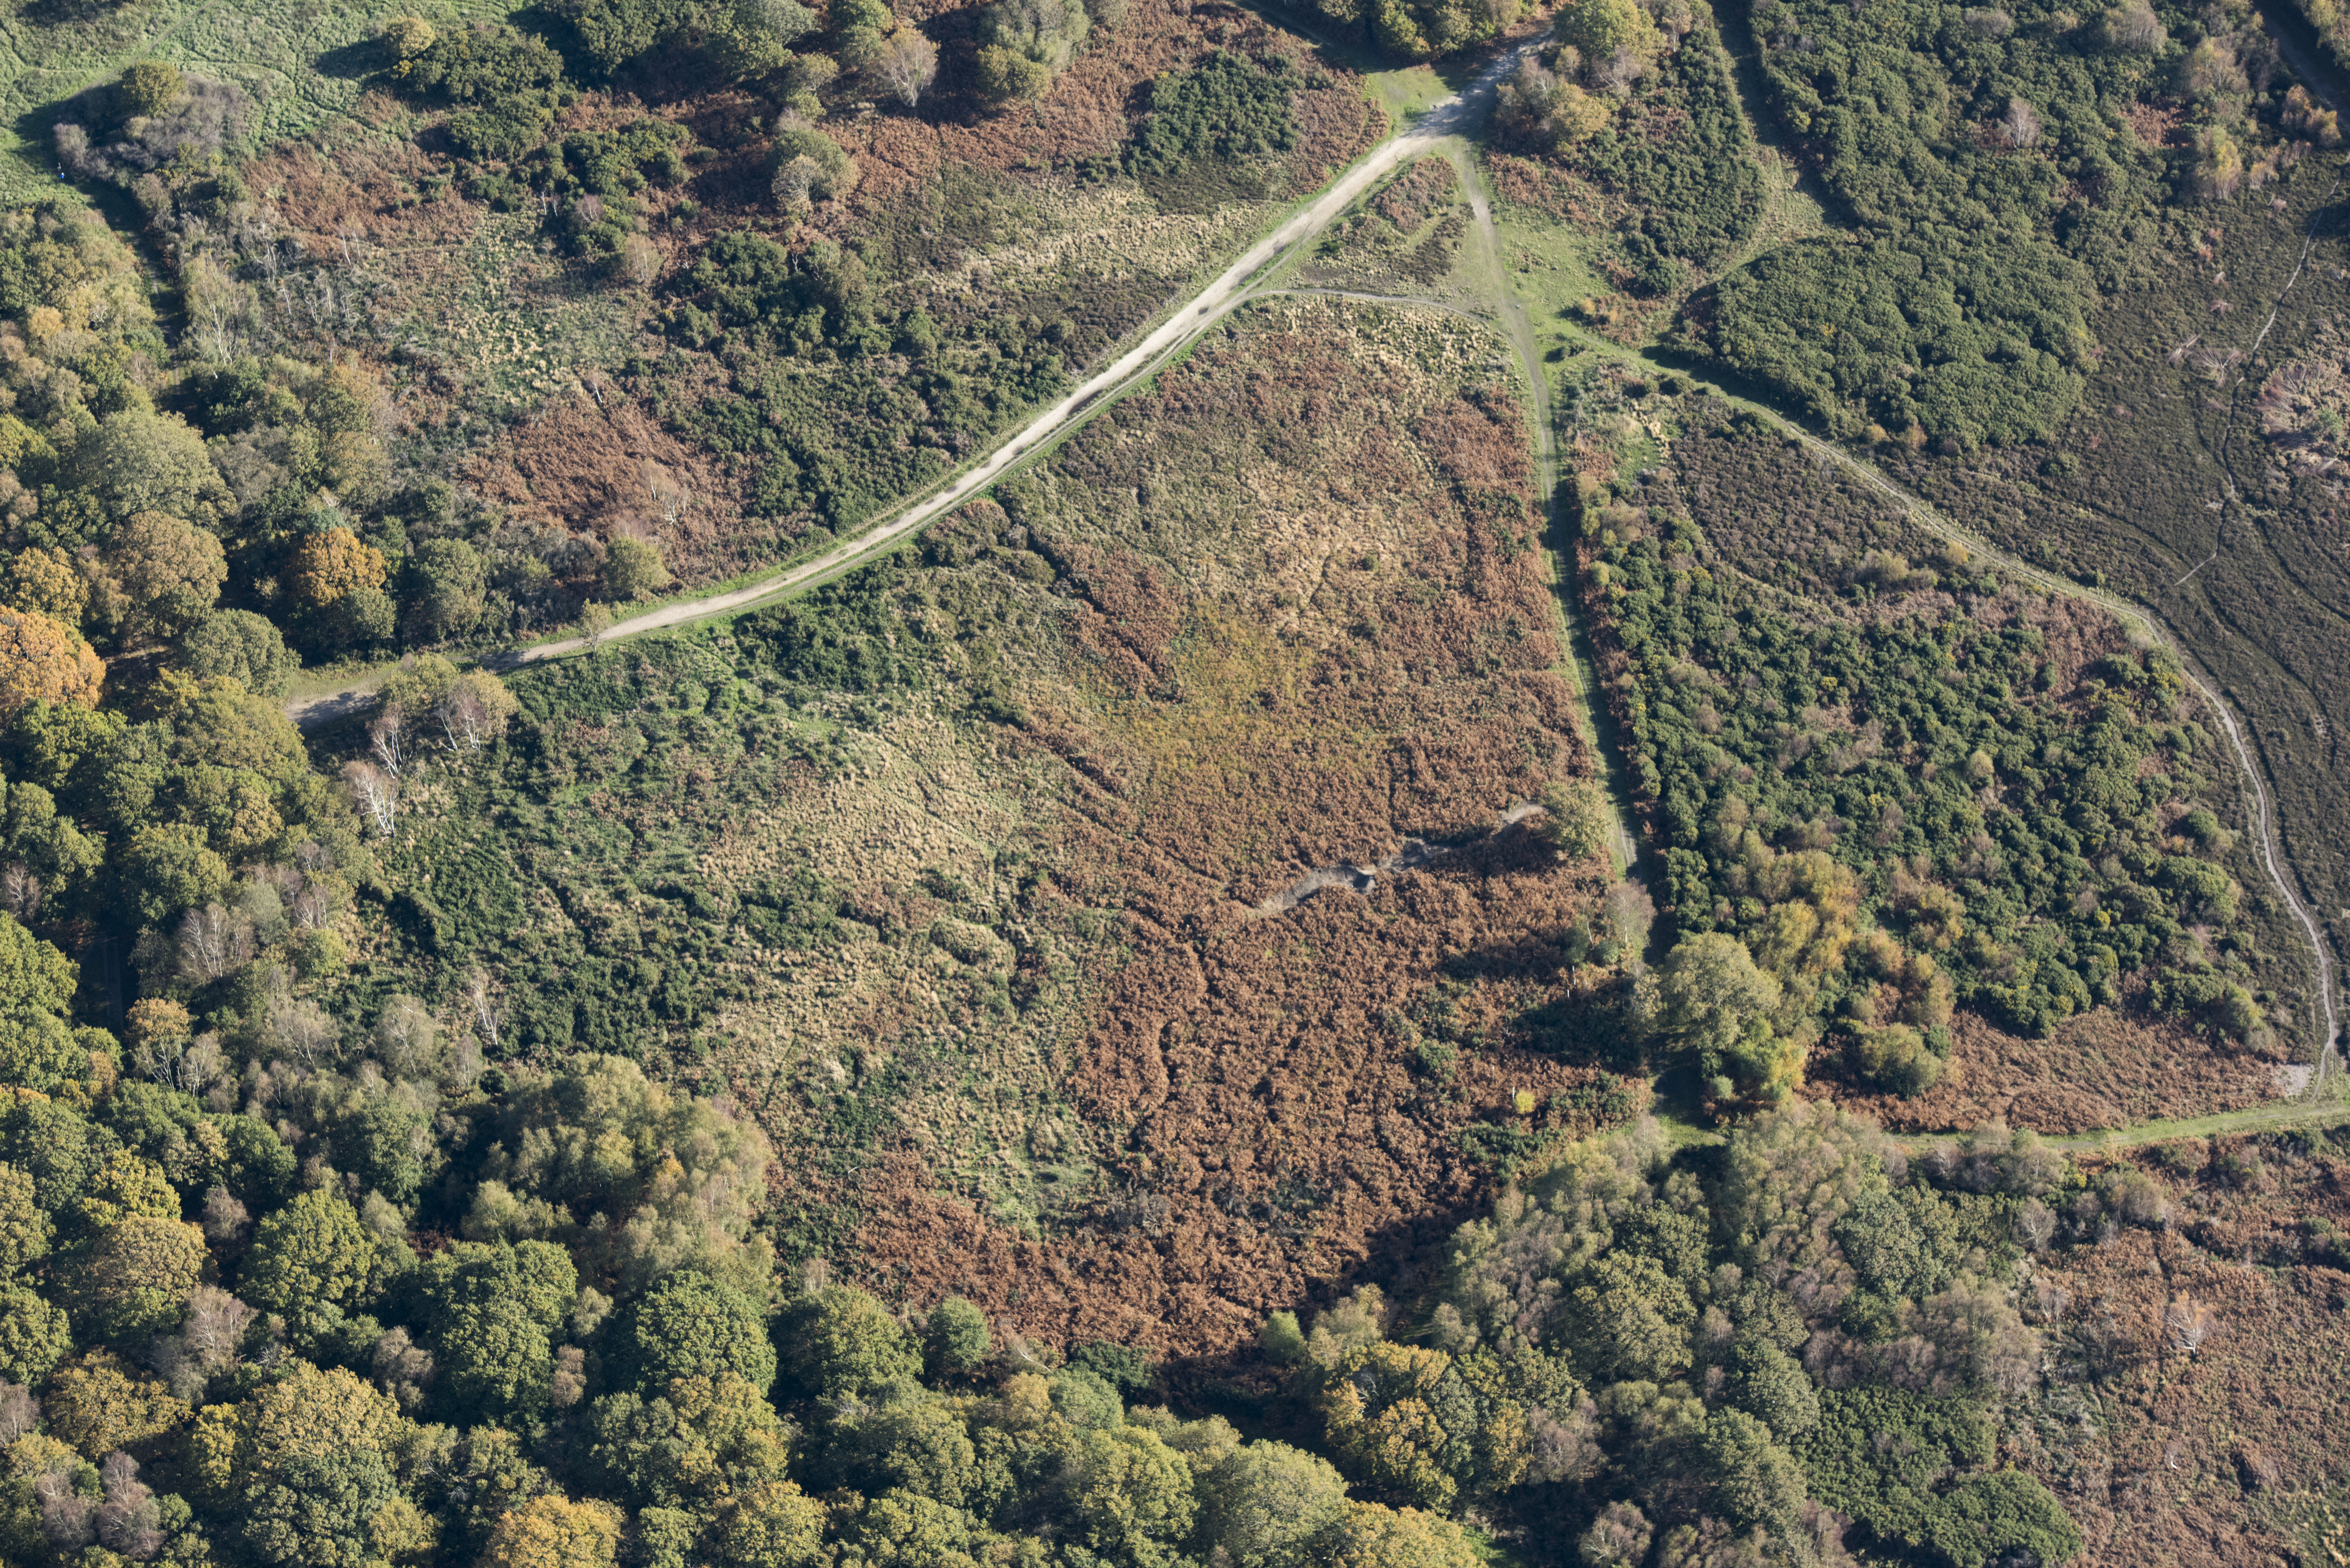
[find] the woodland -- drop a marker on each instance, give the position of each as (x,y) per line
(1120,1033)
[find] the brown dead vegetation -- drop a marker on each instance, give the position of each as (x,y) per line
(1091,106)
(1302,622)
(2103,1069)
(1269,1140)
(2166,1454)
(581,464)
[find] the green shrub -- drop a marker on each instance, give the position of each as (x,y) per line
(1879,1454)
(1795,767)
(615,162)
(613,34)
(482,65)
(1024,44)
(1226,107)
(1986,1518)
(1699,191)
(1973,340)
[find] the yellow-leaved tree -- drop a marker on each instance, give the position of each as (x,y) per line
(332,562)
(42,661)
(553,1531)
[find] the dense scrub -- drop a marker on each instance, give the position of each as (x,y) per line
(1899,783)
(2195,480)
(1676,152)
(1991,165)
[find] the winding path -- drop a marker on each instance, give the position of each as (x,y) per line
(1513,326)
(1455,116)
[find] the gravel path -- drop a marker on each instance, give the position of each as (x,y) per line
(1454,115)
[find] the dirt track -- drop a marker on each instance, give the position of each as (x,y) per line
(1454,115)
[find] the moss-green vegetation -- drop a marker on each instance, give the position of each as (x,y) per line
(1833,722)
(1991,167)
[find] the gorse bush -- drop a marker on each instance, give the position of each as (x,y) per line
(1227,107)
(1962,153)
(1903,809)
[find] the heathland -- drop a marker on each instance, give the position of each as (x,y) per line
(1123,1029)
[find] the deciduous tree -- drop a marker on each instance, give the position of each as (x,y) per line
(553,1531)
(842,1342)
(24,1231)
(137,462)
(35,1335)
(1714,1004)
(1597,29)
(691,1326)
(633,570)
(45,581)
(771,1525)
(141,1272)
(149,88)
(170,572)
(1263,1500)
(99,1403)
(475,711)
(376,794)
(908,65)
(314,1253)
(1372,1536)
(330,563)
(1577,819)
(337,1509)
(302,1413)
(447,582)
(956,1339)
(42,661)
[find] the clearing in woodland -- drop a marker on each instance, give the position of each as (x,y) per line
(950,872)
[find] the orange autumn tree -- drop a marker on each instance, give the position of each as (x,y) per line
(42,661)
(332,563)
